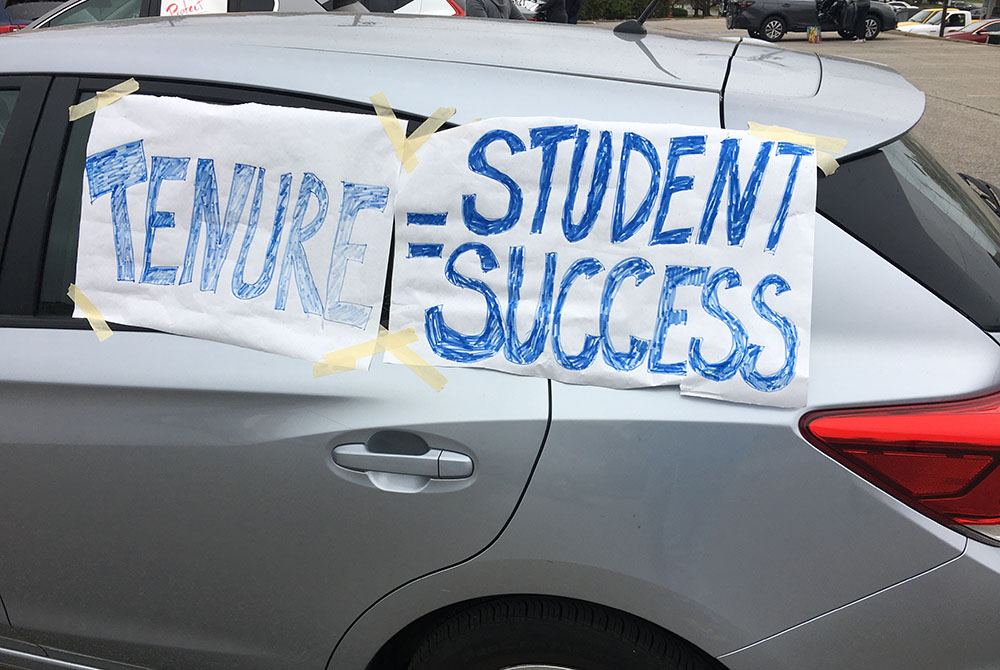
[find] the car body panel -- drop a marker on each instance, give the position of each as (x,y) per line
(866,105)
(959,19)
(714,520)
(978,31)
(878,632)
(215,463)
(723,525)
(439,41)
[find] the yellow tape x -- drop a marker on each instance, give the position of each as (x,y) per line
(397,343)
(103,99)
(824,146)
(93,314)
(406,146)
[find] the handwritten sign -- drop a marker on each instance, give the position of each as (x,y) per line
(252,225)
(185,7)
(621,255)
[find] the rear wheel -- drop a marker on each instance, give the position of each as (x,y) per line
(535,632)
(772,29)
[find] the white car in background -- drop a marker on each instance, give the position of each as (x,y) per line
(957,20)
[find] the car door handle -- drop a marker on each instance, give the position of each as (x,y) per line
(434,463)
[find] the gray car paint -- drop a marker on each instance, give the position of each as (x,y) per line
(182,509)
(718,522)
(713,520)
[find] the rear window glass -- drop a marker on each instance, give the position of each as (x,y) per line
(901,202)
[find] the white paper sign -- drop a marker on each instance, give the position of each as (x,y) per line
(264,227)
(185,7)
(613,254)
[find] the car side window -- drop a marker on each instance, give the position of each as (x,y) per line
(7,100)
(91,11)
(59,264)
(59,268)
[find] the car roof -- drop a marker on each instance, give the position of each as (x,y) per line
(489,68)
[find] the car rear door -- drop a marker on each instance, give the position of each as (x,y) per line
(174,503)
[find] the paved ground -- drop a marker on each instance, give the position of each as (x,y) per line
(961,124)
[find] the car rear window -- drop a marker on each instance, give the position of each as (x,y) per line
(901,202)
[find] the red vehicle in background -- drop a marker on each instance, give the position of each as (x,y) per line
(977,31)
(7,24)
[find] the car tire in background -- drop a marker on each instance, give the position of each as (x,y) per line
(537,631)
(872,28)
(772,29)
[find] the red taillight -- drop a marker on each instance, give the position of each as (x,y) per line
(940,458)
(459,10)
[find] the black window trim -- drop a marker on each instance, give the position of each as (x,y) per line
(16,142)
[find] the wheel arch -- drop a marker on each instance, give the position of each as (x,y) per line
(398,649)
(381,634)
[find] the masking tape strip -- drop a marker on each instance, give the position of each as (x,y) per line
(824,146)
(423,133)
(103,99)
(397,343)
(406,147)
(90,311)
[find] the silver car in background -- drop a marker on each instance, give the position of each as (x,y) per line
(186,510)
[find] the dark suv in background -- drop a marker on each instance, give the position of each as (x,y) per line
(771,19)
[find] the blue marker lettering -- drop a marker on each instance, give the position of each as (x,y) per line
(574,232)
(789,334)
(667,316)
(449,343)
(730,365)
(741,206)
(112,171)
(241,289)
(640,270)
(547,138)
(621,230)
(587,267)
(205,208)
(356,198)
(295,254)
(161,168)
(474,221)
(784,148)
(528,351)
(688,145)
(218,241)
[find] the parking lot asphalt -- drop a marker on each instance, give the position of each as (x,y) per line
(961,123)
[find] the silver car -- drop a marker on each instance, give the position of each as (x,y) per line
(186,510)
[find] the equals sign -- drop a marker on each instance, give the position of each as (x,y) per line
(422,219)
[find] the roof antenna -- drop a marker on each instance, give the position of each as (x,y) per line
(634,26)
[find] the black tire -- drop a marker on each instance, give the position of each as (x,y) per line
(772,29)
(872,27)
(536,630)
